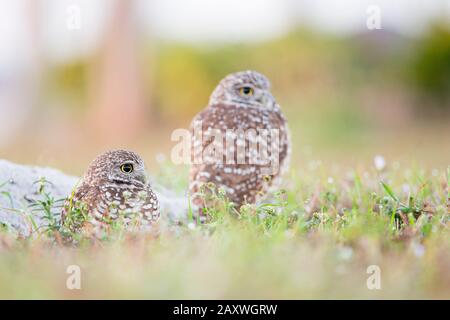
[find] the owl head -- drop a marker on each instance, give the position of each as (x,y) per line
(244,88)
(117,166)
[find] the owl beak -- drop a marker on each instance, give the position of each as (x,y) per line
(144,177)
(266,99)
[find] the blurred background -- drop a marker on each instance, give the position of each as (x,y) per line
(355,78)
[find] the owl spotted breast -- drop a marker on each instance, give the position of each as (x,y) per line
(240,141)
(114,188)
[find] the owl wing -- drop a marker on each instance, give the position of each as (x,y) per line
(129,201)
(242,180)
(95,206)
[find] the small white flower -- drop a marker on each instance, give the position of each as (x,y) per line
(345,253)
(289,233)
(160,157)
(406,189)
(191,225)
(330,180)
(379,162)
(418,249)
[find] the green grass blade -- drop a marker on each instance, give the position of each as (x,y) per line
(389,191)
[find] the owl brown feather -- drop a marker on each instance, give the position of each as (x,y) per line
(244,182)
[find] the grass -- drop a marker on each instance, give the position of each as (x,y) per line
(315,238)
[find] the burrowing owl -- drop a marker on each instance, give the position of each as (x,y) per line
(114,187)
(243,117)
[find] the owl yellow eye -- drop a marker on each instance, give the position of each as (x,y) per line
(246,91)
(127,168)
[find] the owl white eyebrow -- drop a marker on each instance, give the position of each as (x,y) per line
(243,85)
(242,101)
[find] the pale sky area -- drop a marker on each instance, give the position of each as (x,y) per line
(203,21)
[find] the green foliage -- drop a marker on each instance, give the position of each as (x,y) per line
(430,66)
(298,60)
(47,205)
(69,82)
(75,218)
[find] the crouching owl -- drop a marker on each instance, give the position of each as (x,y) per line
(114,188)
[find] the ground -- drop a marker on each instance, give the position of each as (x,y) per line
(321,236)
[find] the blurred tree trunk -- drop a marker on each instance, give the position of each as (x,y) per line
(118,110)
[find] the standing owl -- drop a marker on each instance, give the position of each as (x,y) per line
(114,188)
(243,117)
